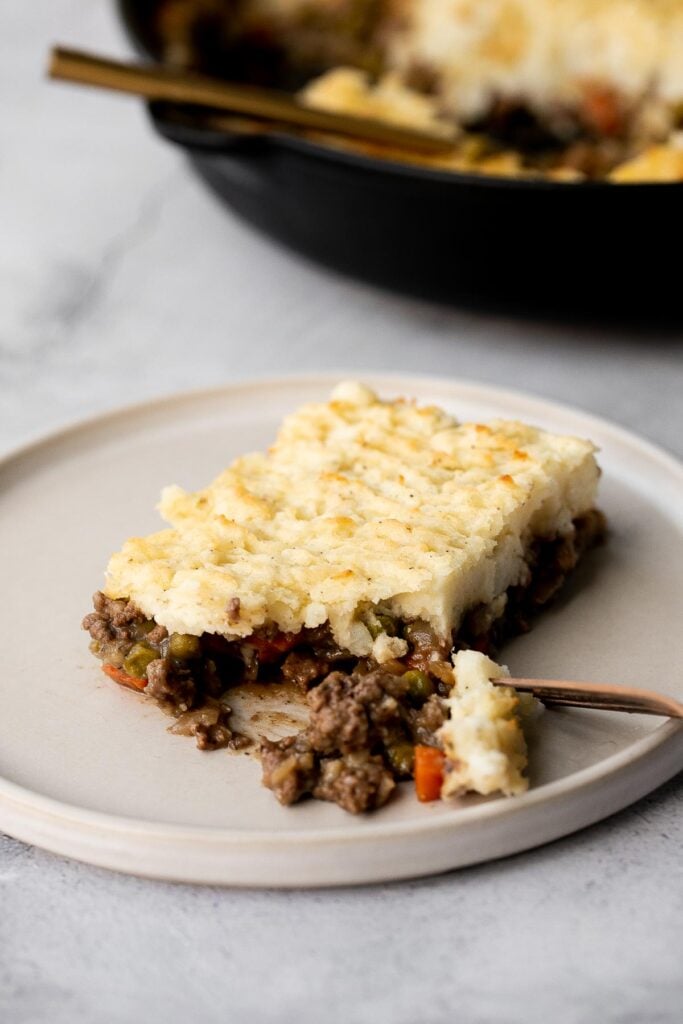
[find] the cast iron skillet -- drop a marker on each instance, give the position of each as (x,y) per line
(570,249)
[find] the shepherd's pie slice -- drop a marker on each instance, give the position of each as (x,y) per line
(370,540)
(359,503)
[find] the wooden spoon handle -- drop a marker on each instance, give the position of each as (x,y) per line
(160,82)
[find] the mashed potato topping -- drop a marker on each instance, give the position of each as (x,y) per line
(545,51)
(482,737)
(351,91)
(360,504)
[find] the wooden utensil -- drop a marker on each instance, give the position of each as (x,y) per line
(601,696)
(161,82)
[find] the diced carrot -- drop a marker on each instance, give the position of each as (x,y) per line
(602,110)
(269,648)
(429,765)
(119,676)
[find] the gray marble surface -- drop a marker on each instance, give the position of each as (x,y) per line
(120,279)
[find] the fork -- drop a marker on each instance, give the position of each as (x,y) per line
(601,696)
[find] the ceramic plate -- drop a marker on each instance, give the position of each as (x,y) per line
(87,769)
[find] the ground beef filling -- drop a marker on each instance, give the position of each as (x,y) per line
(359,741)
(364,719)
(175,671)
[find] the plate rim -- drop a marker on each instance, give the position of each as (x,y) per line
(493,808)
(17,799)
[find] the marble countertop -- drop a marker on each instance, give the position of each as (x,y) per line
(121,279)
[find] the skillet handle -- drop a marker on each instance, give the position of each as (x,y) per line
(207,131)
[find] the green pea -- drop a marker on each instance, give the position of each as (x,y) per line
(401,755)
(388,624)
(420,686)
(381,623)
(139,657)
(184,646)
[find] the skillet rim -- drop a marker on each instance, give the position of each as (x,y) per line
(224,142)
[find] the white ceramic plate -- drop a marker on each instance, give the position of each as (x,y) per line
(87,769)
